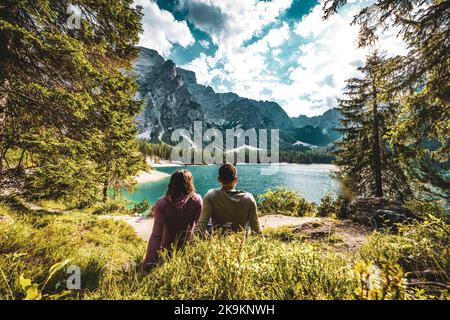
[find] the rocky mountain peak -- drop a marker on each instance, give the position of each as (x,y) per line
(188,76)
(173,99)
(169,69)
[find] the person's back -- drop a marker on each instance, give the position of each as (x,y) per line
(175,216)
(179,216)
(228,207)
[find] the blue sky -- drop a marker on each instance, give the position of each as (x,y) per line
(278,50)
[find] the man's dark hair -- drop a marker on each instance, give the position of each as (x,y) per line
(227,173)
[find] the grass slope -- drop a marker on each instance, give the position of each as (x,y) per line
(36,247)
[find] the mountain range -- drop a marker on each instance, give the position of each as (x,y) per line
(318,130)
(173,99)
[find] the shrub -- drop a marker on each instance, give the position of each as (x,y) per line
(283,201)
(425,208)
(116,206)
(75,183)
(327,206)
(143,208)
(416,248)
(421,251)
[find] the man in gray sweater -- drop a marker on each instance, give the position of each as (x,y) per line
(227,207)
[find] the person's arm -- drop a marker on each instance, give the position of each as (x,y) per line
(155,239)
(253,216)
(198,209)
(206,213)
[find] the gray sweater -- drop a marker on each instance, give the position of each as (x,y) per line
(229,207)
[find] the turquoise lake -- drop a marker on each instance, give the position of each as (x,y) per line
(312,181)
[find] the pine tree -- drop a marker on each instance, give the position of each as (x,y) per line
(66,98)
(420,80)
(364,153)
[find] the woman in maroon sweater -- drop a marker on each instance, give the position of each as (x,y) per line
(175,216)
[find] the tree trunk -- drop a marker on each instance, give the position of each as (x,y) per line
(5,65)
(105,191)
(3,109)
(3,106)
(19,165)
(376,150)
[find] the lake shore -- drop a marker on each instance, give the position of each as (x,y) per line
(169,163)
(150,176)
(163,163)
(309,180)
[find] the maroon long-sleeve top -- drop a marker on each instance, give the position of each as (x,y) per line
(174,221)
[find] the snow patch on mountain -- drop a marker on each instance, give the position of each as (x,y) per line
(304,144)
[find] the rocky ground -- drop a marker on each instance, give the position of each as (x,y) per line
(344,235)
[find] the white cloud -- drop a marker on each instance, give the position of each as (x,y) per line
(202,68)
(329,58)
(161,29)
(231,22)
(204,43)
(326,56)
(244,67)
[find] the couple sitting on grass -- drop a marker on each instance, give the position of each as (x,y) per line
(181,212)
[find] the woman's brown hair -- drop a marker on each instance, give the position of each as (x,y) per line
(181,184)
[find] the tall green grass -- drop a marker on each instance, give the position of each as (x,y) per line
(242,267)
(278,265)
(32,242)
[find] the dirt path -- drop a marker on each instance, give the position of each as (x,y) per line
(274,221)
(144,226)
(343,235)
